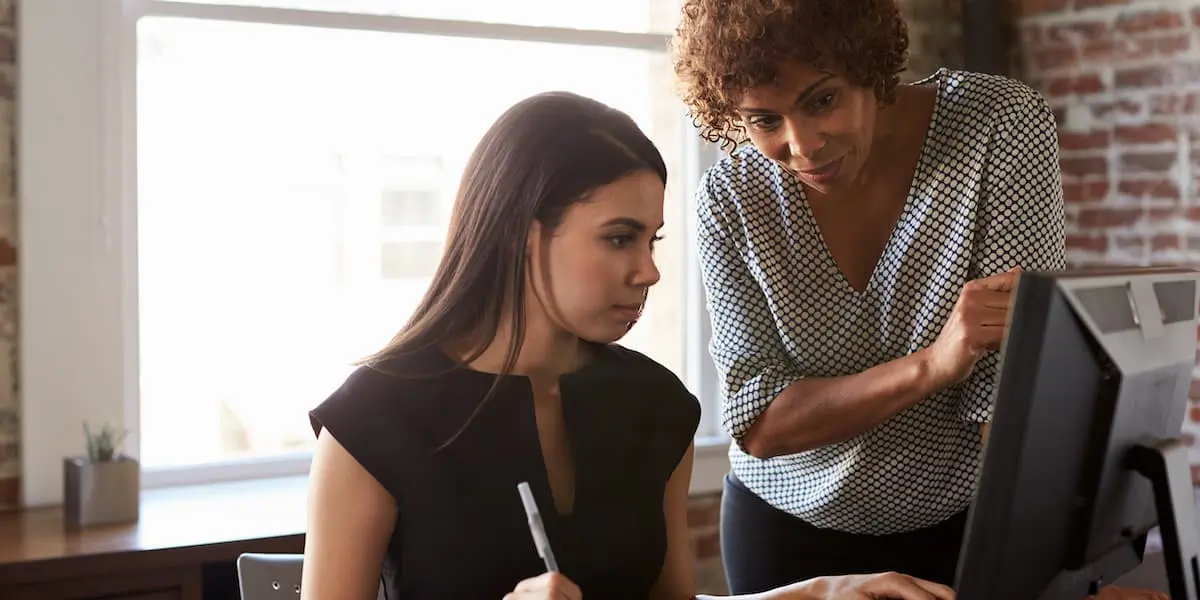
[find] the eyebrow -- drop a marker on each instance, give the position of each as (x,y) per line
(628,222)
(808,91)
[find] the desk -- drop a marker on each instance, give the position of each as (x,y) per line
(184,546)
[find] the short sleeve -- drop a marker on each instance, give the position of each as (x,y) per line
(679,420)
(362,415)
(1021,218)
(752,365)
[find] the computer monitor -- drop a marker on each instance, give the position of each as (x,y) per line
(1085,455)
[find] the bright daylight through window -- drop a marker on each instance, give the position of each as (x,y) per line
(294,185)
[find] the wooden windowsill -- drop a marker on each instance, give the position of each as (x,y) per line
(181,521)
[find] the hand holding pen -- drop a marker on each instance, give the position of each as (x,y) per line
(551,585)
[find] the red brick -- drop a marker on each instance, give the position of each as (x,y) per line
(1165,241)
(1055,58)
(708,545)
(1082,85)
(10,492)
(1194,389)
(1163,215)
(1176,103)
(1196,475)
(1104,218)
(1147,133)
(1141,77)
(1091,140)
(1094,243)
(1084,166)
(703,514)
(8,254)
(1085,192)
(1196,17)
(1149,188)
(1171,45)
(1147,162)
(1151,20)
(1194,413)
(1081,4)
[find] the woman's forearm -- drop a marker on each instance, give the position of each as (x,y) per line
(818,411)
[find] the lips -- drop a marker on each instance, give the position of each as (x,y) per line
(824,173)
(630,312)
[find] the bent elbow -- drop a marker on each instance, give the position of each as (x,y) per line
(762,443)
(756,444)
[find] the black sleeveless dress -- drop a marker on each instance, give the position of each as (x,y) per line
(461,530)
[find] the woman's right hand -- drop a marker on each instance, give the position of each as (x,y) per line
(547,586)
(883,586)
(976,326)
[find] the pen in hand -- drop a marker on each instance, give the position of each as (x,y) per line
(536,527)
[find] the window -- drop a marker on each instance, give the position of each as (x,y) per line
(273,182)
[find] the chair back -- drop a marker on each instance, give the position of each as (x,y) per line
(273,576)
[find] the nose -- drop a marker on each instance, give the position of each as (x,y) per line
(646,273)
(803,141)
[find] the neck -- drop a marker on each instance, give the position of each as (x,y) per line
(899,128)
(546,353)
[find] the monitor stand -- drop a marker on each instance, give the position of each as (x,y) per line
(1165,464)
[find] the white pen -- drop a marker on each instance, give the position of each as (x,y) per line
(536,527)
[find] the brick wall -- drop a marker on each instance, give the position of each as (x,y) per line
(1124,79)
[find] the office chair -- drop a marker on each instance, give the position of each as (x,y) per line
(273,576)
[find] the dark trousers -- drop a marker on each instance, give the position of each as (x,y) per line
(764,548)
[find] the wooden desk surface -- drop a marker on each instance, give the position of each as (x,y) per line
(177,525)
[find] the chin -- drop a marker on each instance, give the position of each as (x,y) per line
(607,335)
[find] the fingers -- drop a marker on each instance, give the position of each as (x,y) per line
(1001,282)
(992,299)
(937,590)
(894,586)
(549,586)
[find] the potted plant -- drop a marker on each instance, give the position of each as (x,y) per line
(103,487)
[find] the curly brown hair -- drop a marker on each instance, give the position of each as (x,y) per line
(722,48)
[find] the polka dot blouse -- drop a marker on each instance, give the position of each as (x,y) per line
(986,196)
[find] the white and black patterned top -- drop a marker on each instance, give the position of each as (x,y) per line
(986,196)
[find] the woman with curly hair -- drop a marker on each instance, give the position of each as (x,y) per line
(858,247)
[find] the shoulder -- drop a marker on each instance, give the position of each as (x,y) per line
(739,177)
(388,395)
(741,188)
(384,378)
(375,414)
(670,395)
(987,102)
(663,401)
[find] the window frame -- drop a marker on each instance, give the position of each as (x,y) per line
(77,254)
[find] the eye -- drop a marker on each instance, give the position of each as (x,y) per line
(620,241)
(824,101)
(763,123)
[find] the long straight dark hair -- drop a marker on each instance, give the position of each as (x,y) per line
(540,156)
